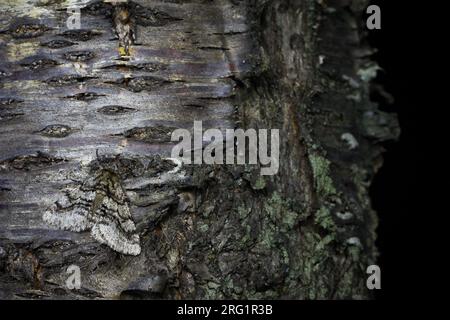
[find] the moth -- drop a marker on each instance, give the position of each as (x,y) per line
(99,204)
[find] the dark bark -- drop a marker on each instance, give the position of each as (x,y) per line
(75,113)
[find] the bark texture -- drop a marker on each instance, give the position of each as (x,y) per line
(86,117)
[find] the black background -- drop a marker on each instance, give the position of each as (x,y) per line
(394,191)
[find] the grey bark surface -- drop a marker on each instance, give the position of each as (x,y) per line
(76,115)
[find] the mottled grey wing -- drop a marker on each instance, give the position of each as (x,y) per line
(71,211)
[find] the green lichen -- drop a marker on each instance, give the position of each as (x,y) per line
(230,290)
(324,219)
(267,237)
(269,294)
(289,219)
(315,263)
(279,218)
(213,285)
(211,292)
(321,171)
(274,205)
(203,227)
(243,211)
(281,212)
(259,184)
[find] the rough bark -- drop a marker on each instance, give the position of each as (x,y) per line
(76,115)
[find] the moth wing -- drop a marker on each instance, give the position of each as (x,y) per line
(73,219)
(71,211)
(115,238)
(109,209)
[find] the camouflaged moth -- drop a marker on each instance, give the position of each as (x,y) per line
(100,205)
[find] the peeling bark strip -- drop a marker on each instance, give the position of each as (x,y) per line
(85,134)
(124,27)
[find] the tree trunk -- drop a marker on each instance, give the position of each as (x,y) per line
(86,117)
